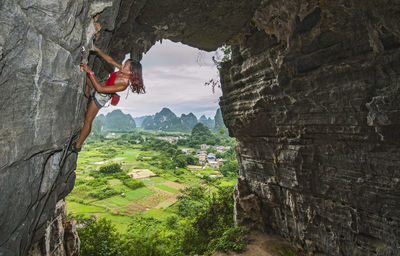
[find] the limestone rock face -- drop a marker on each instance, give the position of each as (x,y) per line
(313,97)
(42,106)
(247,206)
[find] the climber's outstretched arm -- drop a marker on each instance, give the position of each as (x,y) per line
(108,58)
(119,85)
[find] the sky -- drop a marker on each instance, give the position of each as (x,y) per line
(174,76)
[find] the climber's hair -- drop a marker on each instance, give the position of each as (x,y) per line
(136,79)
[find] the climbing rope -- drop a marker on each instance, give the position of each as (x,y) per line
(68,144)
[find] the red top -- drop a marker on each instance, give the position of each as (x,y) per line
(111,79)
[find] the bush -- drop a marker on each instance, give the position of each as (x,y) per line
(231,239)
(107,152)
(111,168)
(103,192)
(132,183)
(212,225)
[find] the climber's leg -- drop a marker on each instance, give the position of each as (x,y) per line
(87,125)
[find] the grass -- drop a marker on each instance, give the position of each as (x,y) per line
(118,200)
(114,182)
(105,203)
(166,188)
(228,182)
(157,213)
(77,208)
(164,205)
(120,221)
(139,193)
(153,181)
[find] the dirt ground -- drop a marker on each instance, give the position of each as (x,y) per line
(140,173)
(153,200)
(262,244)
(174,184)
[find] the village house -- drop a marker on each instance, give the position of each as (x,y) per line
(211,156)
(213,164)
(186,151)
(194,167)
(204,146)
(218,175)
(202,157)
(222,149)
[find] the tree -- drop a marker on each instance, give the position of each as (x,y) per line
(230,168)
(181,161)
(222,55)
(98,237)
(202,135)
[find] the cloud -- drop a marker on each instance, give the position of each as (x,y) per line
(174,78)
(176,54)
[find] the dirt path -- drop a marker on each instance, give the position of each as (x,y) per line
(262,244)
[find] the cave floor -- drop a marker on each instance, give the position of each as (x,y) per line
(262,244)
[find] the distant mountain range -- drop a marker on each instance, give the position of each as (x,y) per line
(165,120)
(115,121)
(139,120)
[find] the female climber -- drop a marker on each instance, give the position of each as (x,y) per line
(129,74)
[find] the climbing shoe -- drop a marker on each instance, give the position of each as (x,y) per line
(73,148)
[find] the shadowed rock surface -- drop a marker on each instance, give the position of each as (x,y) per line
(312,95)
(41,107)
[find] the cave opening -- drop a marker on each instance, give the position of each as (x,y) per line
(160,159)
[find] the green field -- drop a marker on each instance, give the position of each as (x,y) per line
(166,188)
(118,202)
(139,193)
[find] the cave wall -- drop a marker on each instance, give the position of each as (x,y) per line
(312,95)
(42,107)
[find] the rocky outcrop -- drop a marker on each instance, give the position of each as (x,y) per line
(247,207)
(312,95)
(61,237)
